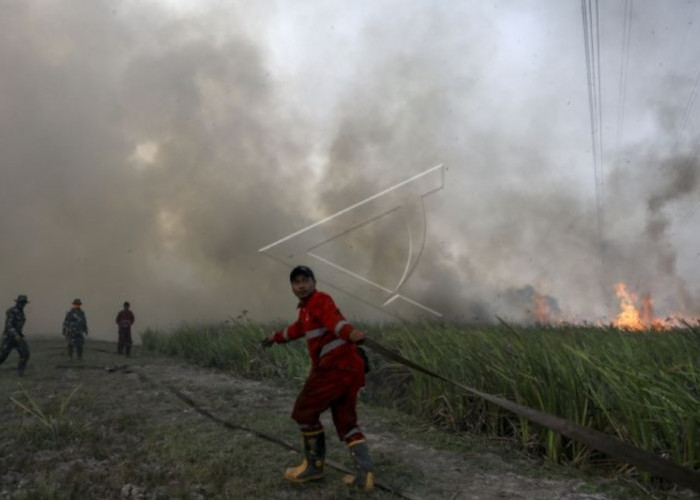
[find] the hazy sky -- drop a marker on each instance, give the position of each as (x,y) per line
(148,150)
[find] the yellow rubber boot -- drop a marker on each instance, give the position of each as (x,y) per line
(311,468)
(364,471)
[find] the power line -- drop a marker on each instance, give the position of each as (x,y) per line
(695,151)
(694,209)
(591,38)
(685,117)
(624,63)
(689,106)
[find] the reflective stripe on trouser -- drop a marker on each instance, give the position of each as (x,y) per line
(333,388)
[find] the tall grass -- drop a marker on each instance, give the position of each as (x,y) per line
(641,387)
(231,346)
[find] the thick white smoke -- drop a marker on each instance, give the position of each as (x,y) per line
(148,151)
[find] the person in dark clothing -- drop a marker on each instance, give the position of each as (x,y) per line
(125,318)
(75,329)
(12,336)
(336,377)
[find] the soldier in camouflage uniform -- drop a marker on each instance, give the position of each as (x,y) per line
(75,329)
(12,337)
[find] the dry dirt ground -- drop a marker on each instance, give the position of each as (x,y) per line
(111,427)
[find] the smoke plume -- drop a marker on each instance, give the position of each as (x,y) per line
(147,151)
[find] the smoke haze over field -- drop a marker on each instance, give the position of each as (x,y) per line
(148,150)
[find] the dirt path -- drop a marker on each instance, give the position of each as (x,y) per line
(124,434)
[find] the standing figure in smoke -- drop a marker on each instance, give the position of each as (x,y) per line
(337,375)
(12,337)
(125,318)
(75,329)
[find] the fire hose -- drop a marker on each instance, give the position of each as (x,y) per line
(612,446)
(600,441)
(230,425)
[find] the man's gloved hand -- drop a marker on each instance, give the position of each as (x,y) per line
(268,341)
(356,336)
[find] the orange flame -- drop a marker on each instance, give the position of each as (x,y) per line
(630,318)
(648,313)
(541,309)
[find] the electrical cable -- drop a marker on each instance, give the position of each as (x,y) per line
(624,64)
(589,14)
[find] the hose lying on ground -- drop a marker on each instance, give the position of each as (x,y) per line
(230,425)
(616,448)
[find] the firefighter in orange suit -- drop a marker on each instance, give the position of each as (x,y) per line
(337,375)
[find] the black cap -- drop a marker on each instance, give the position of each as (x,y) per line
(301,271)
(22,298)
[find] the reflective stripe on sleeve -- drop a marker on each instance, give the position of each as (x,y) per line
(330,346)
(285,335)
(312,334)
(340,325)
